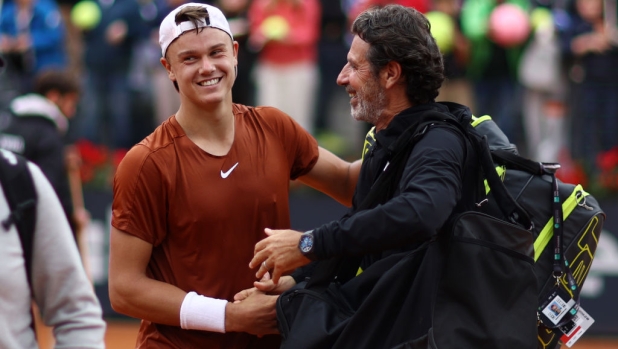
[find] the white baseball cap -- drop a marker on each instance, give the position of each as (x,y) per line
(170,30)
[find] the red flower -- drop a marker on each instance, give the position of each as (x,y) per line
(91,153)
(608,160)
(570,171)
(86,172)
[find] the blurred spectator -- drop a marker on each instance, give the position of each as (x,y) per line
(285,34)
(145,56)
(34,127)
(591,51)
(165,98)
(456,51)
(494,59)
(32,38)
(105,111)
(541,75)
(236,12)
(332,52)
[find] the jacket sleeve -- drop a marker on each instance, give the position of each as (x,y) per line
(428,192)
(48,31)
(61,288)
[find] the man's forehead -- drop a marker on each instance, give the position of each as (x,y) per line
(358,50)
(213,36)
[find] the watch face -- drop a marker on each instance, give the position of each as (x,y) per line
(306,243)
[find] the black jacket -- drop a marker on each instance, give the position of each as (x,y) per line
(34,127)
(426,196)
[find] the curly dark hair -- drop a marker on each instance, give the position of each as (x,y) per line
(402,34)
(59,80)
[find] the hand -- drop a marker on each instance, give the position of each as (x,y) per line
(6,43)
(591,42)
(256,314)
(244,294)
(116,32)
(257,41)
(279,252)
(267,286)
(23,43)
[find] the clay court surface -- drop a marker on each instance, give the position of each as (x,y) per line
(121,335)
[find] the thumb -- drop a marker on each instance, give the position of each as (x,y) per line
(264,286)
(244,294)
(266,277)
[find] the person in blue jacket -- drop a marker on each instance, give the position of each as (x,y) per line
(32,39)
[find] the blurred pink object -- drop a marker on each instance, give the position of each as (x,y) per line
(509,25)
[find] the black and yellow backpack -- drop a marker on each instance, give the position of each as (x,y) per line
(535,187)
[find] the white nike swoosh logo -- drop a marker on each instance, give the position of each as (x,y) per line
(225,174)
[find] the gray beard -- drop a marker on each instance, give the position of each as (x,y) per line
(370,110)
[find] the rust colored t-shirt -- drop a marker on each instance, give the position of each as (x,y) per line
(203,214)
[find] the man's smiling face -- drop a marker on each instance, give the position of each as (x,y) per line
(203,65)
(368,98)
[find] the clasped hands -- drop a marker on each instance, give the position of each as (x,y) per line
(278,253)
(274,256)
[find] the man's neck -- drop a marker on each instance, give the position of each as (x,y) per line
(210,129)
(392,110)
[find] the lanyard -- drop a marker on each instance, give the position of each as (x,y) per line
(561,265)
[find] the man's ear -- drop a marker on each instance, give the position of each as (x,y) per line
(168,67)
(235,47)
(53,95)
(391,74)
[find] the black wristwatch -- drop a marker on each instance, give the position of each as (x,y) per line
(306,245)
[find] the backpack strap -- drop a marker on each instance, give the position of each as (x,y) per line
(21,197)
(511,210)
(517,162)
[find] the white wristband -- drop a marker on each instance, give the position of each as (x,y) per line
(202,313)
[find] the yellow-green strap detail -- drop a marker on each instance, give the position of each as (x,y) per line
(370,140)
(478,120)
(548,231)
(501,172)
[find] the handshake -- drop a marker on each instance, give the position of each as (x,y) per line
(254,309)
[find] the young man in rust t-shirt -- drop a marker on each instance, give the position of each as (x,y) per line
(192,199)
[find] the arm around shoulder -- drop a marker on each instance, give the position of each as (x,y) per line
(334,176)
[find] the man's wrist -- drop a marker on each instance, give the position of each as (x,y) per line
(306,245)
(202,313)
(233,313)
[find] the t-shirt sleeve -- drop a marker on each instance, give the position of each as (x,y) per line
(139,204)
(300,146)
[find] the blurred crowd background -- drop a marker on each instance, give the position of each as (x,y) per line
(545,70)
